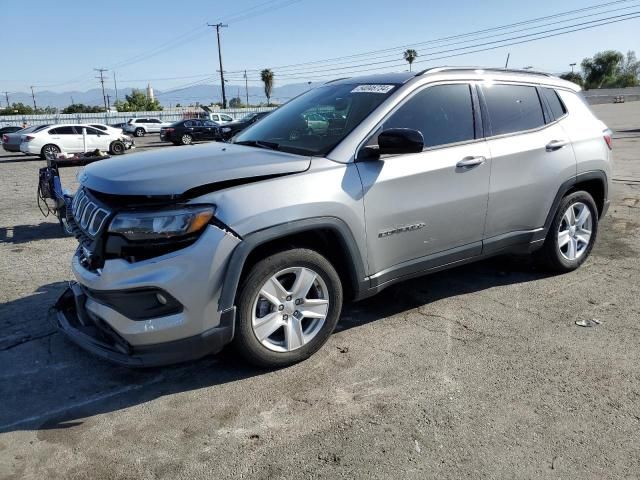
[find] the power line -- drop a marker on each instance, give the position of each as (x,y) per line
(241,18)
(471,48)
(394,56)
(453,37)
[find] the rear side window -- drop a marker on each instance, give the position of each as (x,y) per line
(513,108)
(443,114)
(62,131)
(557,107)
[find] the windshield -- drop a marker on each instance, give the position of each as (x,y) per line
(315,122)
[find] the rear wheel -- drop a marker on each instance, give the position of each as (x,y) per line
(572,234)
(186,139)
(288,306)
(139,132)
(117,147)
(49,151)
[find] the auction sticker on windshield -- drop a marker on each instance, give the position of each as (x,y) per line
(373,89)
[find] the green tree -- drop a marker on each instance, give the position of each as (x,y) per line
(602,69)
(235,102)
(82,108)
(267,77)
(178,105)
(574,77)
(629,70)
(17,109)
(137,101)
(410,55)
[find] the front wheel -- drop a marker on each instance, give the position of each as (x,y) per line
(572,234)
(288,306)
(117,147)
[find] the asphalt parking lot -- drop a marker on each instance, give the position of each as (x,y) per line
(479,372)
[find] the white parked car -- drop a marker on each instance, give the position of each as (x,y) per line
(69,139)
(141,126)
(106,128)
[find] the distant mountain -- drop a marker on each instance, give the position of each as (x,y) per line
(204,94)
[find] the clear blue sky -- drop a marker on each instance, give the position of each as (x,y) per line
(56,44)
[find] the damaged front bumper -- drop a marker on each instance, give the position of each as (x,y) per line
(96,336)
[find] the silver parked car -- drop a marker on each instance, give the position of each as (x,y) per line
(141,126)
(259,242)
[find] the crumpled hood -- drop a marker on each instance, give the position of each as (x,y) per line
(175,170)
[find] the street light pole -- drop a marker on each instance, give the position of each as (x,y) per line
(224,94)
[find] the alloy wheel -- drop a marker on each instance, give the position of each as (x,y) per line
(574,232)
(290,309)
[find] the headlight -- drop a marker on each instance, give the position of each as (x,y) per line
(161,224)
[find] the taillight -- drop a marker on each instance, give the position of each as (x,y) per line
(5,139)
(168,129)
(28,138)
(608,140)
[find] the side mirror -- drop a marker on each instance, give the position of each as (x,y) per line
(396,141)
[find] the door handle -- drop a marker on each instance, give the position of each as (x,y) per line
(468,162)
(554,145)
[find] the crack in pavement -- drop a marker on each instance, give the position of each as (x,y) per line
(27,339)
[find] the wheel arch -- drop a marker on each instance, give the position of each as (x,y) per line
(593,182)
(329,236)
(52,144)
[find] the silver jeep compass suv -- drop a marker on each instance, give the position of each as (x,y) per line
(259,241)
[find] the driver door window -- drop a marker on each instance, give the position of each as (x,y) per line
(443,114)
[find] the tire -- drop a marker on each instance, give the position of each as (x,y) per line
(555,254)
(49,150)
(117,147)
(139,132)
(186,139)
(282,347)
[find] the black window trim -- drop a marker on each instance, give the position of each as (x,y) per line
(552,118)
(478,127)
(485,116)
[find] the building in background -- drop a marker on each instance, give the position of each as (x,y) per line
(150,96)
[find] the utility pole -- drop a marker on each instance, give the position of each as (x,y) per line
(246,87)
(6,95)
(108,102)
(572,65)
(72,102)
(115,84)
(224,94)
(506,65)
(101,78)
(33,95)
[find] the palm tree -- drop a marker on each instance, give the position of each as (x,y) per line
(410,55)
(267,77)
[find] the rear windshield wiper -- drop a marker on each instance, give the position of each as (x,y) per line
(259,144)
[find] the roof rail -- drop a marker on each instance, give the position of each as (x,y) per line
(485,69)
(335,80)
